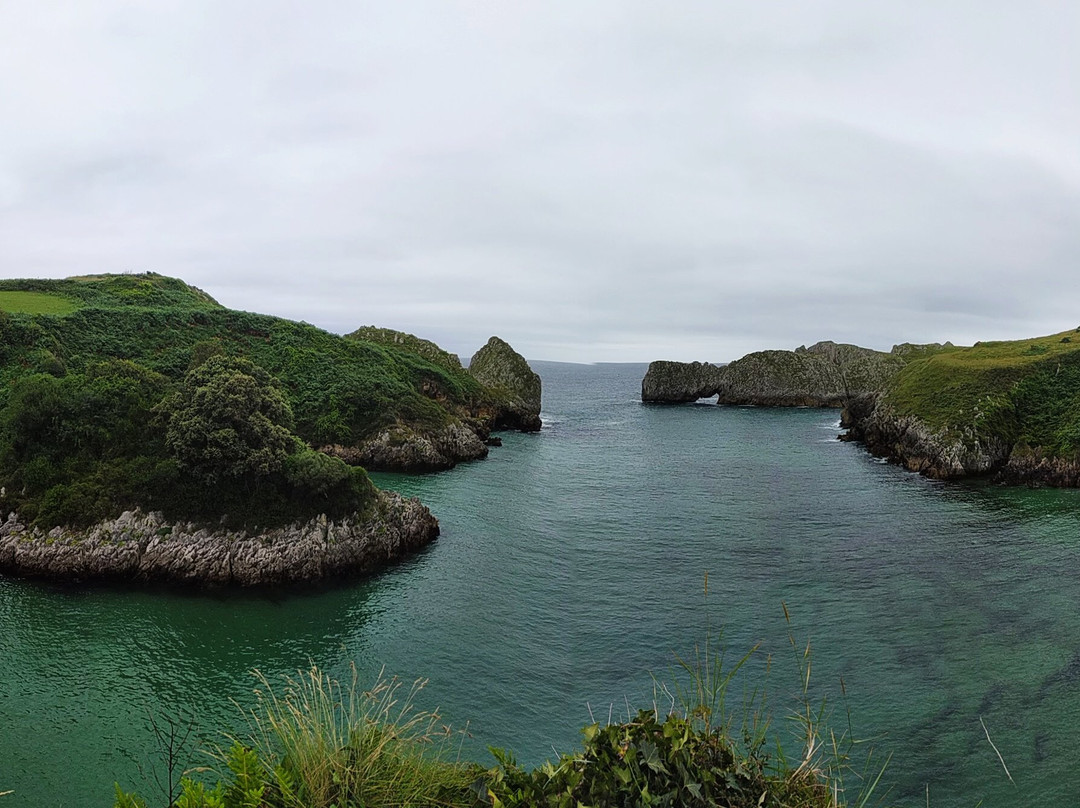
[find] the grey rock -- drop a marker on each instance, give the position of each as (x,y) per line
(401,447)
(824,375)
(399,339)
(143,548)
(508,376)
(941,454)
(951,453)
(677,382)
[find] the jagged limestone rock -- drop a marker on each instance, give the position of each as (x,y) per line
(677,382)
(402,448)
(505,373)
(938,453)
(399,339)
(139,547)
(823,375)
(914,350)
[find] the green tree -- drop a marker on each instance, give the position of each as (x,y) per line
(229,421)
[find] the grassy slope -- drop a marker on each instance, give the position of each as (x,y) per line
(340,389)
(1025,390)
(93,457)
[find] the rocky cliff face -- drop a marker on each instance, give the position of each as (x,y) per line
(823,375)
(947,454)
(940,454)
(402,448)
(507,397)
(678,382)
(141,547)
(508,376)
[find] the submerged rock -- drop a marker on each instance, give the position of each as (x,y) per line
(508,376)
(139,547)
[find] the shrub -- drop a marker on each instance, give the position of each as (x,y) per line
(229,420)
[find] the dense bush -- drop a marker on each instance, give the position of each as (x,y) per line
(151,394)
(84,447)
(647,761)
(229,420)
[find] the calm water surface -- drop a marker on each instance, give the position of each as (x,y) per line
(571,568)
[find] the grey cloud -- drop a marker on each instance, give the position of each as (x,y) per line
(592,181)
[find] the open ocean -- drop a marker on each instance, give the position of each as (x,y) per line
(569,573)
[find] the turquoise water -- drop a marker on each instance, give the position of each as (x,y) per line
(571,567)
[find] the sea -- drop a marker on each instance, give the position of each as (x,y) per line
(936,625)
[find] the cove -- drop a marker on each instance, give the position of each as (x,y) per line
(571,565)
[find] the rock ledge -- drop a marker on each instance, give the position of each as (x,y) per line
(139,547)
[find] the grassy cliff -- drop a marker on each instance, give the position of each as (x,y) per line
(1009,407)
(1024,391)
(107,401)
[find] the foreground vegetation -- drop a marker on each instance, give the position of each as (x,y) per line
(1023,392)
(319,744)
(123,391)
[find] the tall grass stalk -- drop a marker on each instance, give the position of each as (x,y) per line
(831,769)
(342,745)
(826,757)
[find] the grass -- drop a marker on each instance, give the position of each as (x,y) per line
(78,442)
(1023,391)
(318,743)
(345,746)
(36,303)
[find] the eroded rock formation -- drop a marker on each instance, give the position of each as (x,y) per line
(403,448)
(824,375)
(946,454)
(678,382)
(508,376)
(139,547)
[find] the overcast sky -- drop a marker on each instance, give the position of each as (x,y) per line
(592,181)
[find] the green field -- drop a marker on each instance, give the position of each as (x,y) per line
(36,303)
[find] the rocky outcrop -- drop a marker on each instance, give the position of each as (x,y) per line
(678,382)
(403,448)
(914,350)
(948,454)
(399,339)
(941,454)
(509,378)
(139,547)
(824,375)
(1033,467)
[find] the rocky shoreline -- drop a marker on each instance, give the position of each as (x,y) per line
(401,448)
(512,401)
(950,454)
(145,548)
